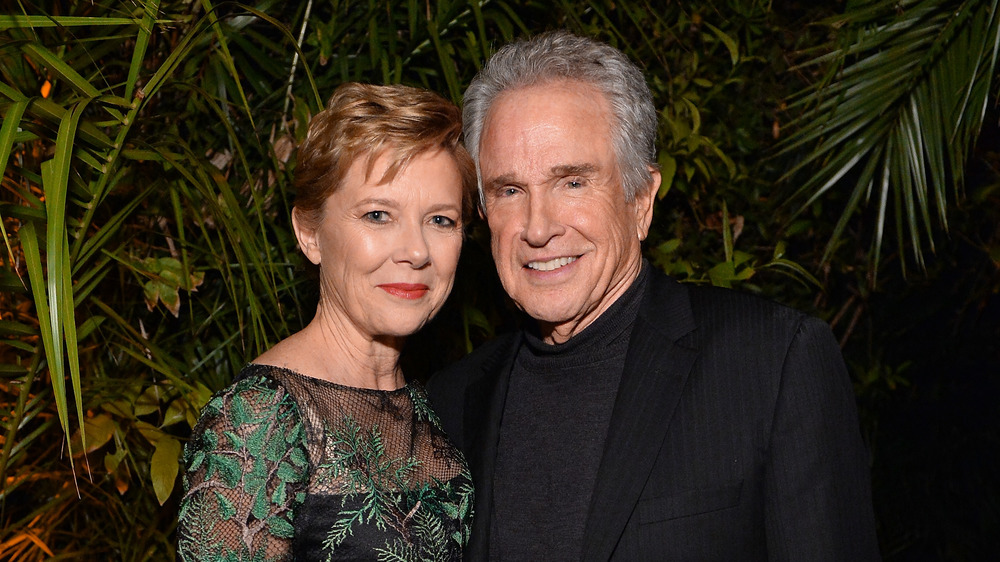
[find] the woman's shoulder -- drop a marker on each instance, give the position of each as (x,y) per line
(258,394)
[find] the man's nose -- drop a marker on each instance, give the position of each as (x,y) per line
(542,223)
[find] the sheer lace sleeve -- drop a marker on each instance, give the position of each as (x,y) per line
(246,470)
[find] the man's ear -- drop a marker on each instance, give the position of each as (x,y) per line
(305,233)
(644,200)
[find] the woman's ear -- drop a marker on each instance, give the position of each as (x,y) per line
(305,233)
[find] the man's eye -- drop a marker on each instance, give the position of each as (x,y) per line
(376,216)
(574,184)
(441,220)
(507,191)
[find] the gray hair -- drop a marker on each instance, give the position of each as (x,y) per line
(560,55)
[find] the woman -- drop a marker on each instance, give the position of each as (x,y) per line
(320,450)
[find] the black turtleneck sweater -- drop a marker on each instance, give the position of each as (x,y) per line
(555,422)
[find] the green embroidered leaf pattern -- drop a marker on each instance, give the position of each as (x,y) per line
(372,468)
(253,495)
(280,527)
(226,508)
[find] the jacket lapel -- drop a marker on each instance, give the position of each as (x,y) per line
(484,403)
(656,368)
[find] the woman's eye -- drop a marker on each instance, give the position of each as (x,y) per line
(441,220)
(377,216)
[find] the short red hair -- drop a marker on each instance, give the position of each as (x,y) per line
(366,120)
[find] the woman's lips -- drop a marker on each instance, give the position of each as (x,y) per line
(410,291)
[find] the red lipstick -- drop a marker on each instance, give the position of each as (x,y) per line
(409,291)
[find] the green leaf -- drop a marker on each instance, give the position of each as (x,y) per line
(150,9)
(12,328)
(722,274)
(228,468)
(8,370)
(227,57)
(279,496)
(729,42)
(668,169)
(149,401)
(8,130)
(29,21)
(164,467)
(176,413)
(897,115)
(235,441)
(113,460)
(226,508)
(288,473)
(280,527)
(56,65)
(298,457)
(196,459)
(150,432)
(98,431)
(261,503)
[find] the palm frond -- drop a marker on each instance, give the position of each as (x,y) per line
(894,122)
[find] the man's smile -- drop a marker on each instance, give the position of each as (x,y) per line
(551,264)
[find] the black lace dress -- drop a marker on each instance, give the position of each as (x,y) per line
(282,466)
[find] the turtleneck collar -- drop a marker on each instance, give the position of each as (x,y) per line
(610,329)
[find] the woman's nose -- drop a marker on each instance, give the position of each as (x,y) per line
(413,247)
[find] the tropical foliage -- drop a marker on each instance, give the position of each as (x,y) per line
(147,149)
(901,106)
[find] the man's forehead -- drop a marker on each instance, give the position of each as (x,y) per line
(527,112)
(559,92)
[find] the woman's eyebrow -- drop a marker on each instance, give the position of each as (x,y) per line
(376,201)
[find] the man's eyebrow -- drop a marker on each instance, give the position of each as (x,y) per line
(495,183)
(573,170)
(562,170)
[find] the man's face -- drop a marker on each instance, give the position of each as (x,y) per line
(565,241)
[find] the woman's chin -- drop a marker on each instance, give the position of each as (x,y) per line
(401,326)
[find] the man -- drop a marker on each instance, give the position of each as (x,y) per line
(641,419)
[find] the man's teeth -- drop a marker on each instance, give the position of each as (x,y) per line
(551,264)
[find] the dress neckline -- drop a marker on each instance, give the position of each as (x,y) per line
(323,382)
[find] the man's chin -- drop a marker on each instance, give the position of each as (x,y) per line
(546,316)
(555,321)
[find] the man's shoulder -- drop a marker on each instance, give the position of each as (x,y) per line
(713,306)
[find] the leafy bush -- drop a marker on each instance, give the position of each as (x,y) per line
(147,151)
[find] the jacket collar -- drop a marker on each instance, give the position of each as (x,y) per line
(656,369)
(484,403)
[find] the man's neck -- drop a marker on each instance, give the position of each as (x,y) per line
(557,333)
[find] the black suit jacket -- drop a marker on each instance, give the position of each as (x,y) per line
(734,436)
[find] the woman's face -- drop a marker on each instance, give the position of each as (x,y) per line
(387,253)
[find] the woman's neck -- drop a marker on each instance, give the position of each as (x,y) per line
(332,349)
